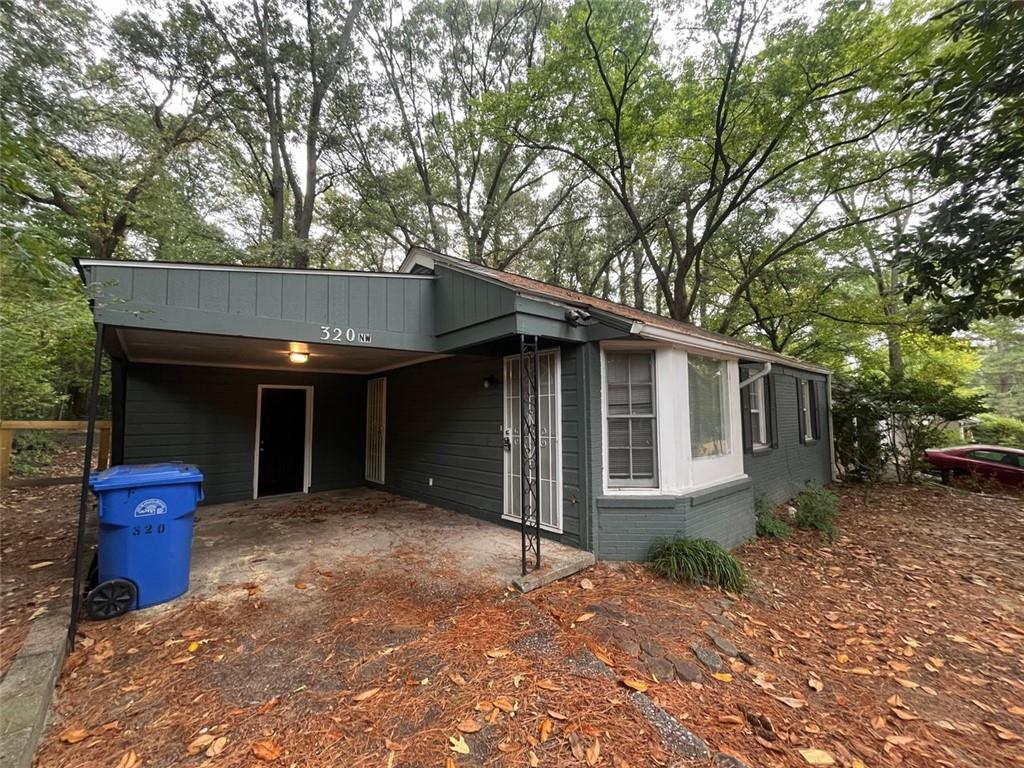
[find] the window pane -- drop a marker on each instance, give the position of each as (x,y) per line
(629,397)
(708,426)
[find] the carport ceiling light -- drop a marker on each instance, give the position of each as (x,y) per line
(298,353)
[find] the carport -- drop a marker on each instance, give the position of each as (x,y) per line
(282,381)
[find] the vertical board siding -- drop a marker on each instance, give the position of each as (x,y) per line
(780,473)
(207,417)
(464,300)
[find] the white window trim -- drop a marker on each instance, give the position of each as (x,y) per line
(678,472)
(635,485)
(307,458)
(762,415)
(556,355)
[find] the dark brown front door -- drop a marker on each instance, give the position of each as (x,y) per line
(282,438)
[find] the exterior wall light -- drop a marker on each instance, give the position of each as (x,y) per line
(298,357)
(490,381)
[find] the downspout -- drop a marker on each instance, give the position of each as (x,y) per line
(758,376)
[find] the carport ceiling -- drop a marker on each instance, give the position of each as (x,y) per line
(145,346)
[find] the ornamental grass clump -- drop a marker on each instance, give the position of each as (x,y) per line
(697,561)
(816,510)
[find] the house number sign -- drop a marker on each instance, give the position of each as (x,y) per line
(351,335)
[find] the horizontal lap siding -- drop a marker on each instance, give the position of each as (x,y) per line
(442,423)
(779,473)
(207,417)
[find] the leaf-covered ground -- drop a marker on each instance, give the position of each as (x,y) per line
(901,644)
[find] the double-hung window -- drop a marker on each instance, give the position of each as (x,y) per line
(758,398)
(709,406)
(809,410)
(631,419)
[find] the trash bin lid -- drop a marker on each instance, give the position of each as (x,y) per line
(137,475)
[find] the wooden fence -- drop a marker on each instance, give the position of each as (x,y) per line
(8,428)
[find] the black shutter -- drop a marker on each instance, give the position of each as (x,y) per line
(770,383)
(819,399)
(801,426)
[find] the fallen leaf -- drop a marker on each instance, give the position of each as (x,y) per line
(556,715)
(1002,733)
(594,753)
(74,735)
(193,647)
(499,653)
(449,762)
(199,743)
(268,705)
(817,757)
(586,584)
(725,677)
(516,680)
(545,729)
(41,564)
(899,741)
(129,759)
(534,760)
(469,725)
(266,750)
(364,695)
(731,719)
(504,705)
(456,678)
(815,684)
(1015,710)
(547,684)
(300,585)
(636,685)
(217,746)
(792,702)
(584,617)
(458,744)
(902,714)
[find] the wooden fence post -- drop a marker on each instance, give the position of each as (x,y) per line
(6,443)
(103,459)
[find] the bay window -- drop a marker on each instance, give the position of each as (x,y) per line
(709,412)
(631,419)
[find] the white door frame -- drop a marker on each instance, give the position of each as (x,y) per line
(307,459)
(383,429)
(556,357)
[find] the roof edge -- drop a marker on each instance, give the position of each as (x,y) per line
(82,264)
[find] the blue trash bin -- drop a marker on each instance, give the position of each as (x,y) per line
(145,535)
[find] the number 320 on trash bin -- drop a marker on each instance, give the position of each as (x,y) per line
(146,530)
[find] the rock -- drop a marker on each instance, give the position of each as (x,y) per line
(685,669)
(674,737)
(746,658)
(723,760)
(707,657)
(660,668)
(629,646)
(651,648)
(725,621)
(724,645)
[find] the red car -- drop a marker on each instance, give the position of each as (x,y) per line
(989,461)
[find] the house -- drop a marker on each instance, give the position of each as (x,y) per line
(279,381)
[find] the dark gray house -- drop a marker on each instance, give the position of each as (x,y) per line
(289,381)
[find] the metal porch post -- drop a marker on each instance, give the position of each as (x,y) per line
(529,447)
(83,498)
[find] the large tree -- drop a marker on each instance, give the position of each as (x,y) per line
(968,253)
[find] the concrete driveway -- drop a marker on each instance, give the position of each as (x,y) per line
(278,542)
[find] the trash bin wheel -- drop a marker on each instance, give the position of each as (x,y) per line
(110,599)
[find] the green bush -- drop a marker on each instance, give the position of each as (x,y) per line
(816,511)
(32,453)
(697,561)
(999,430)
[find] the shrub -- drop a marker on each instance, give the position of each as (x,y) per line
(999,430)
(816,510)
(697,561)
(767,523)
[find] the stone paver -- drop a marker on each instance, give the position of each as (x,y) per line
(707,657)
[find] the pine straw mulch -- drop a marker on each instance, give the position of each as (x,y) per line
(37,548)
(911,624)
(901,644)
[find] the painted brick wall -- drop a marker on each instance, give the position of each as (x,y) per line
(207,417)
(779,473)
